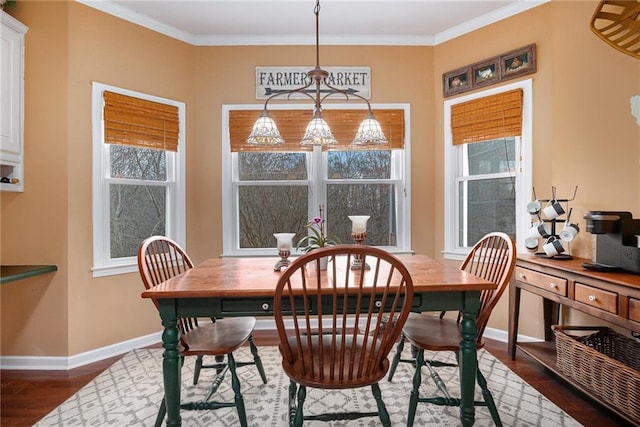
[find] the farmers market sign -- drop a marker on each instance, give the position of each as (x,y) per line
(272,80)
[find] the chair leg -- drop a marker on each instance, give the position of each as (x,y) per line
(235,385)
(396,358)
(293,388)
(488,398)
(417,380)
(162,411)
(257,360)
(196,371)
(382,409)
(299,416)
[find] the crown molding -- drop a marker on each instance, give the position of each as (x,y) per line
(351,39)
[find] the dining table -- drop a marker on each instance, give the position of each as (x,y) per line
(237,286)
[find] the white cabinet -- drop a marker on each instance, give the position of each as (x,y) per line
(11,102)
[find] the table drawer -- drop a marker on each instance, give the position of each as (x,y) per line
(547,282)
(634,309)
(255,307)
(596,297)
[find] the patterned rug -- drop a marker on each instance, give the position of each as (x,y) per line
(129,392)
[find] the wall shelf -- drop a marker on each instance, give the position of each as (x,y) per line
(11,273)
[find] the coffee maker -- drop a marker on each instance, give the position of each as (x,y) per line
(616,244)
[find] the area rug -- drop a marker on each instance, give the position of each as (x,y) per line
(129,392)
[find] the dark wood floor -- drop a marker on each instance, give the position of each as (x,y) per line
(27,396)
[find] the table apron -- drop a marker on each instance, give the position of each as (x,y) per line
(171,308)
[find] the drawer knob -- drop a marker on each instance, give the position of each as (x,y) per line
(378,303)
(265,306)
(521,276)
(553,285)
(592,298)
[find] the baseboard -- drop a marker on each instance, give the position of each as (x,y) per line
(65,363)
(503,336)
(265,324)
(75,361)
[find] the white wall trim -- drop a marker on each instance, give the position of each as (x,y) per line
(127,14)
(66,363)
(523,172)
(62,363)
(502,336)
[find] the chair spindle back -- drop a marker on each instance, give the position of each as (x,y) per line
(492,258)
(343,322)
(160,259)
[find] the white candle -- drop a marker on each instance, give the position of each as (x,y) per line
(285,241)
(359,223)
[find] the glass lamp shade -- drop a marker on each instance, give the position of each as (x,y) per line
(359,223)
(369,132)
(284,241)
(318,132)
(265,132)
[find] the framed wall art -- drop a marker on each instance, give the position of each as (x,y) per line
(457,81)
(518,62)
(485,73)
(510,65)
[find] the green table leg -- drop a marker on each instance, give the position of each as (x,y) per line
(171,371)
(468,367)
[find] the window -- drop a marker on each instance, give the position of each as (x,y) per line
(488,167)
(267,191)
(138,175)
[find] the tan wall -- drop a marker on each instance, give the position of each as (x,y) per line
(34,223)
(68,46)
(226,75)
(108,50)
(581,107)
(581,111)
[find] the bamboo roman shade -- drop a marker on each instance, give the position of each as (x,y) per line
(292,124)
(487,118)
(140,123)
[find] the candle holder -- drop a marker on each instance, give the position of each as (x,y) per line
(284,245)
(359,234)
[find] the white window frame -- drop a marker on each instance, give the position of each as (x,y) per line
(453,160)
(317,172)
(103,264)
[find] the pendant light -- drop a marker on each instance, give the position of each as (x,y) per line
(265,131)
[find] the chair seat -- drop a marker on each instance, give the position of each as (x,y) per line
(432,333)
(218,338)
(321,370)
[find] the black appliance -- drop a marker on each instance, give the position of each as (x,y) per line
(616,244)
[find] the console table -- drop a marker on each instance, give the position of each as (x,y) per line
(613,297)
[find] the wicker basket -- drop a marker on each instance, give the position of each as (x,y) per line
(604,362)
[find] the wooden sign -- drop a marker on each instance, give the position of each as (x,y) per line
(272,80)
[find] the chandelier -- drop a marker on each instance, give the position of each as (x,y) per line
(265,131)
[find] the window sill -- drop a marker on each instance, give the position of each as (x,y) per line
(454,255)
(114,270)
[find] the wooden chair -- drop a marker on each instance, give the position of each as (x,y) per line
(159,259)
(492,258)
(336,334)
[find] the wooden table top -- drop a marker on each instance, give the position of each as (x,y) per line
(254,277)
